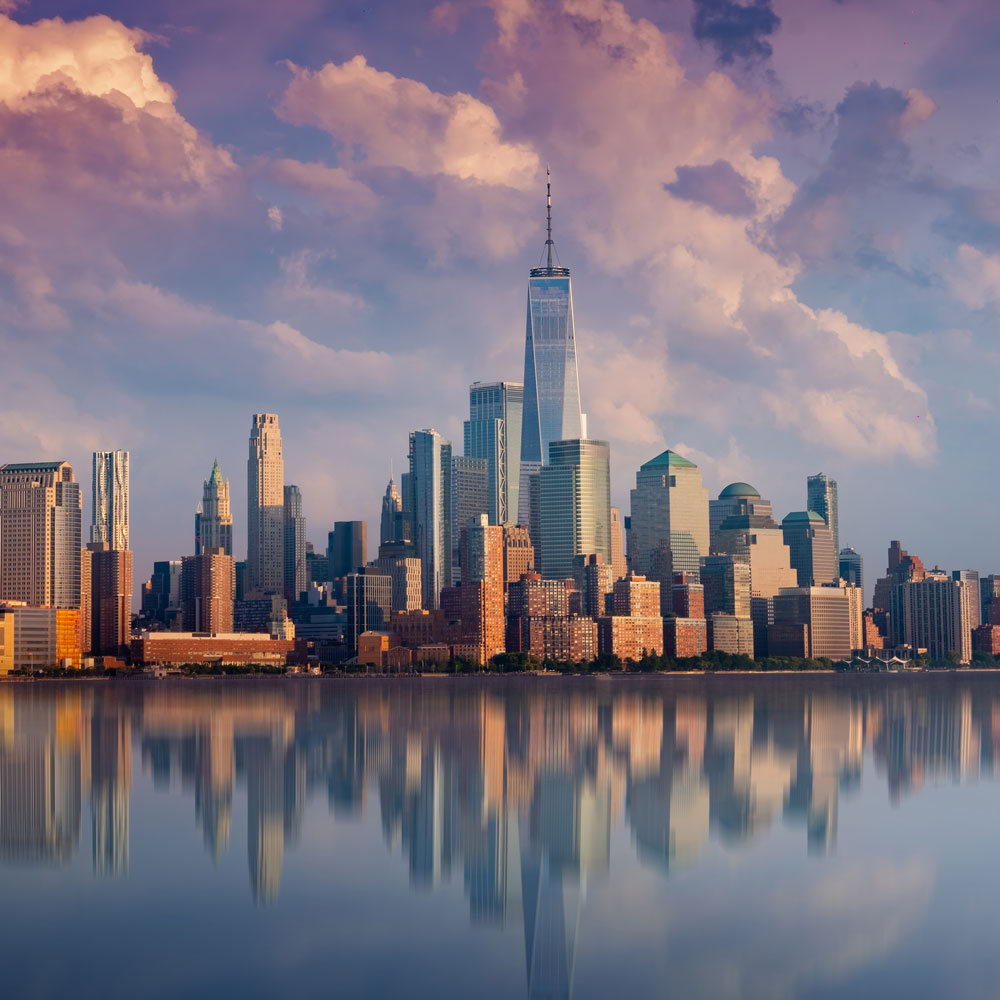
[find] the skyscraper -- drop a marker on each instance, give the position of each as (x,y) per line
(619,565)
(575,506)
(430,487)
(551,379)
(971,577)
(110,599)
(736,498)
(469,497)
(811,547)
(821,496)
(265,507)
(109,522)
(207,591)
(482,588)
(295,544)
(214,525)
(347,547)
(40,515)
(669,520)
(392,515)
(852,567)
(493,433)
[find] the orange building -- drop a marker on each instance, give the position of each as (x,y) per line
(483,619)
(683,637)
(223,648)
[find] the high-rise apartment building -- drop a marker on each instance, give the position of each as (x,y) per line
(296,579)
(265,508)
(811,621)
(214,521)
(40,525)
(595,580)
(551,379)
(493,433)
(619,564)
(207,592)
(989,599)
(669,520)
(852,568)
(933,613)
(407,594)
(811,547)
(483,622)
(430,487)
(347,548)
(971,577)
(821,496)
(86,604)
(575,505)
(735,499)
(110,599)
(110,507)
(518,553)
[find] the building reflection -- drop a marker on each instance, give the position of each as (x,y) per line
(513,787)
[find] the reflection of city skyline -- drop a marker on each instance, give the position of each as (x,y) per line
(511,787)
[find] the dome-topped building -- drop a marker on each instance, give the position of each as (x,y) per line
(735,499)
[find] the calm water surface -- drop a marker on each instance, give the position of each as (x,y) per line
(686,837)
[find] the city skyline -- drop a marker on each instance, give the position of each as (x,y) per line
(743,306)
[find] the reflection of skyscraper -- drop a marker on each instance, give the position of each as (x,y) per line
(110,787)
(265,821)
(551,380)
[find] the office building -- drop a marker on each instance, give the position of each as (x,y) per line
(430,500)
(265,508)
(735,499)
(852,568)
(110,600)
(369,603)
(469,499)
(669,520)
(482,589)
(40,525)
(296,579)
(207,592)
(42,637)
(214,520)
(347,548)
(595,580)
(821,497)
(811,622)
(758,541)
(493,434)
(551,380)
(726,585)
(161,593)
(7,639)
(575,506)
(110,521)
(811,548)
(406,581)
(856,613)
(989,599)
(619,564)
(729,634)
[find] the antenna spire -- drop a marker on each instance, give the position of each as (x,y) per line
(548,214)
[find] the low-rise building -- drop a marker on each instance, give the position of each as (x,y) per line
(38,637)
(729,634)
(224,648)
(684,637)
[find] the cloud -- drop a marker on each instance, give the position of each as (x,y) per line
(334,187)
(736,30)
(723,322)
(975,277)
(716,185)
(397,122)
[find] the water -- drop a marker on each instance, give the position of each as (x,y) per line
(713,837)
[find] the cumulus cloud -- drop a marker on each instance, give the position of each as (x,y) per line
(402,123)
(727,336)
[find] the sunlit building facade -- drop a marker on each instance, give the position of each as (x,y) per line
(110,504)
(265,508)
(493,433)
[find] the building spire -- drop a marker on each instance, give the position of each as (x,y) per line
(548,215)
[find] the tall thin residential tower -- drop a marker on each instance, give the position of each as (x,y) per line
(551,379)
(109,522)
(265,507)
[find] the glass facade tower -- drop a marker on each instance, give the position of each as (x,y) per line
(821,496)
(551,379)
(493,433)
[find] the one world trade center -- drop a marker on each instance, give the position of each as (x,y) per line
(551,380)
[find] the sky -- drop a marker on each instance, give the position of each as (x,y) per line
(782,218)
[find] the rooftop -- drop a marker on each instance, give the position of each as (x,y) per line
(739,490)
(800,516)
(31,466)
(668,459)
